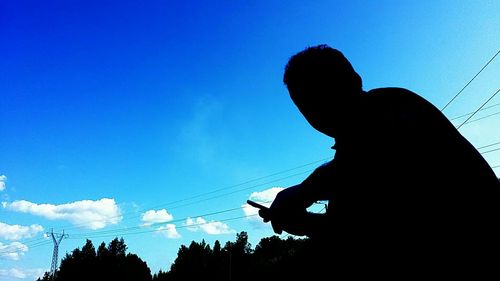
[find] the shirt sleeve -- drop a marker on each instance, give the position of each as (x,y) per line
(321,182)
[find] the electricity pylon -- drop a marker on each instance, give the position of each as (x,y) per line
(56,238)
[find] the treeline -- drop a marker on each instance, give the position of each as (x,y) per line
(272,258)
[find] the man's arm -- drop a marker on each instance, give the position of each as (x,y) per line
(319,184)
(289,209)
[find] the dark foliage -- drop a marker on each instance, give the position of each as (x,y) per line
(108,263)
(272,258)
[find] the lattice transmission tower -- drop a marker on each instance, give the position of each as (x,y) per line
(56,238)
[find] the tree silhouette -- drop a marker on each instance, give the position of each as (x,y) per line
(46,277)
(273,258)
(281,259)
(109,263)
(192,262)
(238,257)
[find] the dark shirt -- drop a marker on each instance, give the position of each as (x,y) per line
(406,190)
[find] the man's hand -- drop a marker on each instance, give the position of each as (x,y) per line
(288,212)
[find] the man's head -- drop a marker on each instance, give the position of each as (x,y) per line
(323,85)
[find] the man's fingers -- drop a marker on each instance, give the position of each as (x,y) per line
(265,215)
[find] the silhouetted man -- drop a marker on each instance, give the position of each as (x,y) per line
(408,194)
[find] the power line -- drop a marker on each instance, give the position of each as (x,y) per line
(470,81)
(492,96)
(240,190)
(215,191)
(484,117)
(154,230)
(491,151)
(78,236)
(30,244)
(162,223)
(35,242)
(206,193)
(485,146)
(467,114)
(126,231)
(154,224)
(16,248)
(225,194)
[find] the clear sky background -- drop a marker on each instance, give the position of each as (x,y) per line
(118,117)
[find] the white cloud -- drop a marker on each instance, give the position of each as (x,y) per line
(18,273)
(212,228)
(265,197)
(16,232)
(3,178)
(169,231)
(190,224)
(87,213)
(151,217)
(12,251)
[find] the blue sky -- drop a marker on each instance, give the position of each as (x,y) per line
(111,112)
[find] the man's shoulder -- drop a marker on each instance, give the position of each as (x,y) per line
(393,92)
(392,96)
(401,108)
